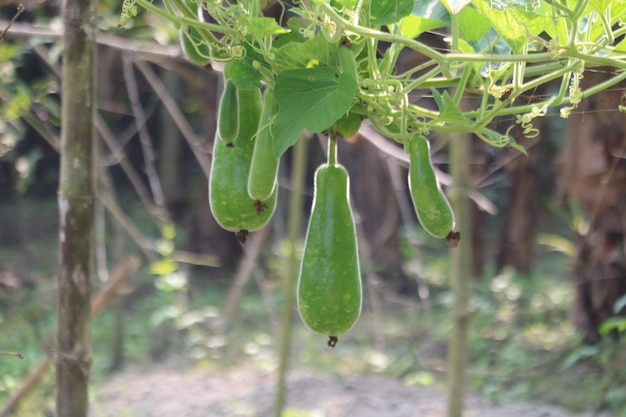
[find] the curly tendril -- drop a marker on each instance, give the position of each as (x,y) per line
(575,92)
(525,121)
(129,10)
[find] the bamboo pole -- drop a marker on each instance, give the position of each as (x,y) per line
(460,273)
(296,201)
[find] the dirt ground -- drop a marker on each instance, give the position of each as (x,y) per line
(247,392)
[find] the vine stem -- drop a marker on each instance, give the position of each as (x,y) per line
(182,19)
(332,148)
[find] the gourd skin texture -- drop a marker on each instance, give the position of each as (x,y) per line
(264,166)
(329,286)
(230,204)
(431,205)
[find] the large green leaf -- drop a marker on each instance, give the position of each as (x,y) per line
(260,27)
(504,22)
(312,52)
(350,4)
(600,6)
(472,25)
(386,12)
(426,15)
(312,99)
(455,6)
(534,21)
(242,72)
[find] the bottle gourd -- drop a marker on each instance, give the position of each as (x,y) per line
(431,205)
(228,113)
(329,286)
(230,204)
(264,165)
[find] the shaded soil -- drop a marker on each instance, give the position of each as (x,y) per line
(246,392)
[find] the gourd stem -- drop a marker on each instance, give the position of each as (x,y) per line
(332,148)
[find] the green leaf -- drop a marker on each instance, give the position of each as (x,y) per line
(599,6)
(312,99)
(426,15)
(613,323)
(18,104)
(504,22)
(8,51)
(411,26)
(472,25)
(386,12)
(295,28)
(260,27)
(455,6)
(242,71)
(163,266)
(168,231)
(448,111)
(534,22)
(313,52)
(349,4)
(582,352)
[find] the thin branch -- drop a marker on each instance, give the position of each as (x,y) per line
(142,131)
(196,258)
(18,354)
(146,50)
(20,10)
(130,228)
(197,147)
(157,213)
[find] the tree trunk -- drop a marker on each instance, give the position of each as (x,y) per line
(592,171)
(76,207)
(526,193)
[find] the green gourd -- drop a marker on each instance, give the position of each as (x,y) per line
(329,286)
(230,204)
(228,113)
(264,166)
(431,205)
(194,48)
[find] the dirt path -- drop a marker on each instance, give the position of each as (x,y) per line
(246,392)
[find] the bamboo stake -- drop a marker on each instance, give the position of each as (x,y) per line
(460,274)
(296,201)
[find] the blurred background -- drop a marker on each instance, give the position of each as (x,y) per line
(548,278)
